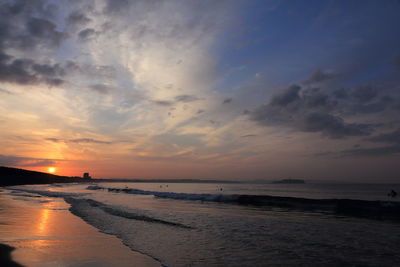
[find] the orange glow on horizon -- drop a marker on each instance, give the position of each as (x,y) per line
(52,169)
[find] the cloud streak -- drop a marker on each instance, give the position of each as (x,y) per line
(8,160)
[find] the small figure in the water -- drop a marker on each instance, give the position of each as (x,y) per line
(392,193)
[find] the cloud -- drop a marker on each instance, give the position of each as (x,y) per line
(77,17)
(44,30)
(79,141)
(8,160)
(227,101)
(371,152)
(116,6)
(182,140)
(164,103)
(186,98)
(52,139)
(287,96)
(89,141)
(26,71)
(396,61)
(340,93)
(179,98)
(100,88)
(248,135)
(365,93)
(320,76)
(87,34)
(4,91)
(307,110)
(391,137)
(332,126)
(25,28)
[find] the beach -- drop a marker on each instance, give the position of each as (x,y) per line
(45,233)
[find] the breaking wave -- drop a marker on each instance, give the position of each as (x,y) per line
(349,207)
(77,204)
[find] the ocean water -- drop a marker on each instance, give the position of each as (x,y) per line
(197,224)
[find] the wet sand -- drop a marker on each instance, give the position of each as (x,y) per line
(45,233)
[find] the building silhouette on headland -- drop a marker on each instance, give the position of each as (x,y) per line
(86,176)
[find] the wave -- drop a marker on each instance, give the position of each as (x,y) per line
(172,195)
(358,208)
(44,192)
(77,203)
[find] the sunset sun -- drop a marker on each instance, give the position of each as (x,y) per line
(52,170)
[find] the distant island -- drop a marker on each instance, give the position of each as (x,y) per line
(289,181)
(13,176)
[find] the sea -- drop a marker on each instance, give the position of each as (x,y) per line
(240,224)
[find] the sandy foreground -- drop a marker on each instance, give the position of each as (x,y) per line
(45,233)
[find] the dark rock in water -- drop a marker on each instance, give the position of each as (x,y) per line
(392,193)
(289,181)
(5,256)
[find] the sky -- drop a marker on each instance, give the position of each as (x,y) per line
(212,89)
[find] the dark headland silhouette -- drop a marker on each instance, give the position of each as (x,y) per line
(13,176)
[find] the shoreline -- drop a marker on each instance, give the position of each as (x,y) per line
(45,233)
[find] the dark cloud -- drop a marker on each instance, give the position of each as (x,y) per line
(287,96)
(315,98)
(7,160)
(116,6)
(248,135)
(88,141)
(25,71)
(26,26)
(365,93)
(227,101)
(319,76)
(372,152)
(87,34)
(396,61)
(340,93)
(53,139)
(48,70)
(370,103)
(100,88)
(164,103)
(186,98)
(368,108)
(392,137)
(179,98)
(79,140)
(77,17)
(44,30)
(17,71)
(332,126)
(307,110)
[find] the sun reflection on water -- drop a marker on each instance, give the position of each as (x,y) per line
(43,221)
